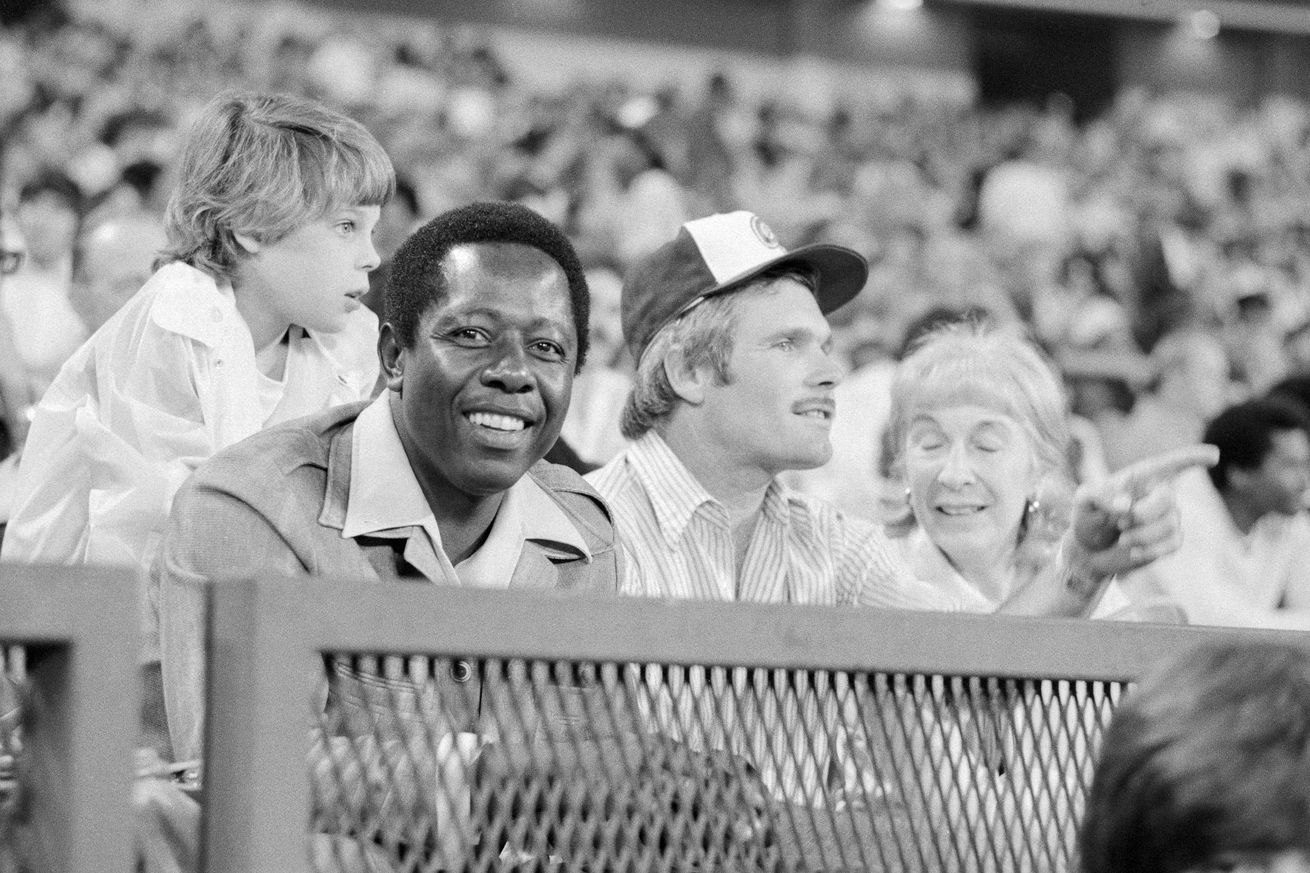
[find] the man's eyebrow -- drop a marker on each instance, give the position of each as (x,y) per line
(447,314)
(793,331)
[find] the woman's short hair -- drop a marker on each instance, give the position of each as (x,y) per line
(702,337)
(975,364)
(265,165)
(1208,759)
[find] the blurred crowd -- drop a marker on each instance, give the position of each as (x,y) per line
(1158,253)
(1165,217)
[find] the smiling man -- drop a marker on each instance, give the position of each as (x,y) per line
(438,480)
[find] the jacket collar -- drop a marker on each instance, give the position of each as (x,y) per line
(385,495)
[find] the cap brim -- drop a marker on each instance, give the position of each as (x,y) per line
(841,273)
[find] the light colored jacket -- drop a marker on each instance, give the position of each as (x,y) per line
(162,386)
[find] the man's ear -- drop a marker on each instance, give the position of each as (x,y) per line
(688,382)
(391,357)
(247,242)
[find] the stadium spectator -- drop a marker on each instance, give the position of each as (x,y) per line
(253,319)
(1206,766)
(599,392)
(1245,529)
(1191,385)
(979,438)
(440,478)
(13,382)
(979,453)
(400,216)
(113,258)
(44,326)
(734,385)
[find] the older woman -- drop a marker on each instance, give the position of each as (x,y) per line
(979,440)
(979,446)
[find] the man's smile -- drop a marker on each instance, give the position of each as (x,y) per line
(497,421)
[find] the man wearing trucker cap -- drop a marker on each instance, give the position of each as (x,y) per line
(734,384)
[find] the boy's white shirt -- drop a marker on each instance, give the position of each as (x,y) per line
(162,386)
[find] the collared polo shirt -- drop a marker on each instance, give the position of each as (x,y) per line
(385,500)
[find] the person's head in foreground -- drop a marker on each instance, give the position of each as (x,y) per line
(729,333)
(277,196)
(487,310)
(1206,767)
(1264,458)
(979,446)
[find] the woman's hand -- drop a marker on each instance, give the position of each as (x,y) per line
(1128,521)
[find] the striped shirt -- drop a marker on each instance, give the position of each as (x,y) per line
(677,542)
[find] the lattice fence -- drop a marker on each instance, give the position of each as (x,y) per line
(426,763)
(68,718)
(13,684)
(463,730)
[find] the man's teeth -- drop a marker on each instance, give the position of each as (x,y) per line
(497,422)
(959,510)
(815,413)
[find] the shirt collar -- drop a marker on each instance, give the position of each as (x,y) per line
(385,495)
(383,491)
(675,494)
(190,303)
(526,513)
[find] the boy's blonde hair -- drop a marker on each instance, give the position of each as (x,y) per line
(264,165)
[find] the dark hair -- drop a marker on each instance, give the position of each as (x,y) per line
(1210,756)
(938,317)
(1244,433)
(142,177)
(51,181)
(416,280)
(407,194)
(1295,388)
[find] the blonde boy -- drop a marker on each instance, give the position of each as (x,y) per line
(252,317)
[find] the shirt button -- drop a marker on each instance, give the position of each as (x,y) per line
(460,671)
(216,315)
(219,363)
